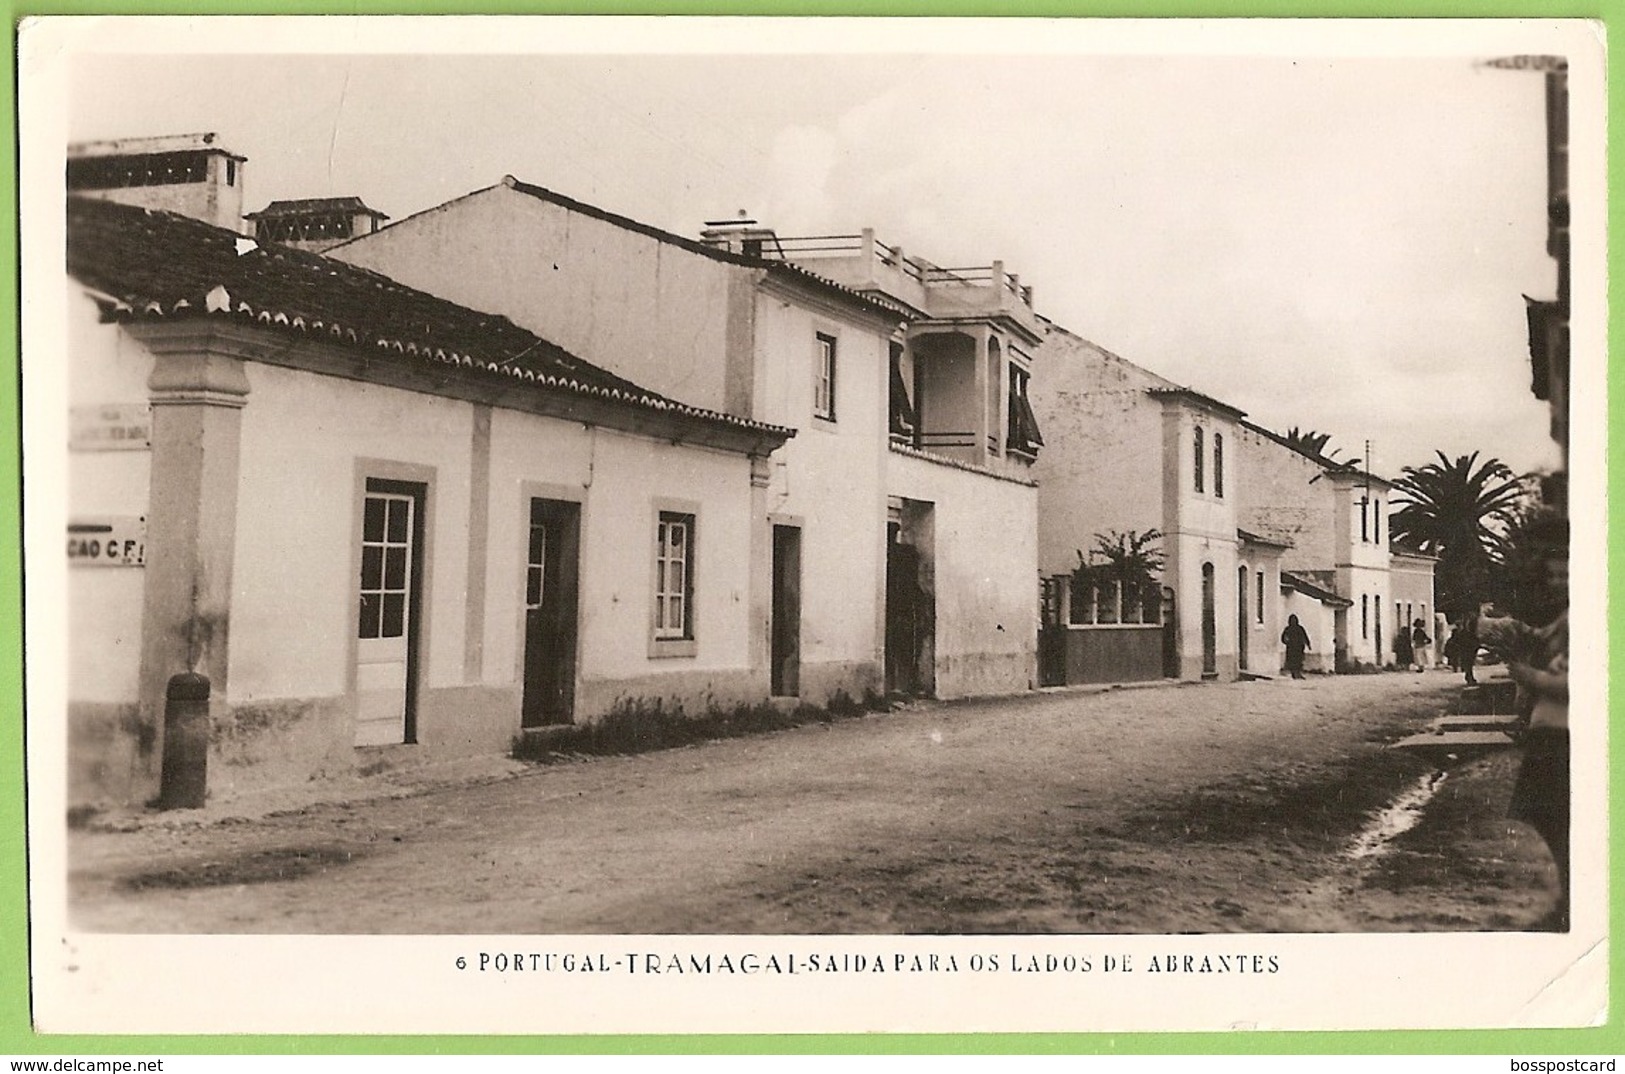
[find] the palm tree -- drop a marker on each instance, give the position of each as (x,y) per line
(1313,443)
(1522,586)
(1458,510)
(1307,439)
(1128,563)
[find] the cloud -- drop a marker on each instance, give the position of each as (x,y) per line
(797,192)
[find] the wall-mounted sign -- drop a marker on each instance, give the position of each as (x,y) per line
(110,427)
(108,541)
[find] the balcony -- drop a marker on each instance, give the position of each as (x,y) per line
(864,263)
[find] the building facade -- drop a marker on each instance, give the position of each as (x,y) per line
(1411,575)
(385,527)
(1132,453)
(1334,517)
(903,580)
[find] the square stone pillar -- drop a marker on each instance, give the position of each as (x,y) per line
(198,390)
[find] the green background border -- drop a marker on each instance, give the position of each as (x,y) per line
(16,1033)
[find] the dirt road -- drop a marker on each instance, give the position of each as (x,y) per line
(1212,808)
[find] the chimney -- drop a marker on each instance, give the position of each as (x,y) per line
(742,235)
(315,224)
(189,174)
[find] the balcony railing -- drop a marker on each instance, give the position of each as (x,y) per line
(927,441)
(865,247)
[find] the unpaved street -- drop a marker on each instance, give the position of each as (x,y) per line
(1209,808)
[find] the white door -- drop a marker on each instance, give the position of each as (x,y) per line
(386,612)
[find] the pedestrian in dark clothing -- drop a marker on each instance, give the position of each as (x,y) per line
(1403,656)
(1296,640)
(1467,648)
(1419,645)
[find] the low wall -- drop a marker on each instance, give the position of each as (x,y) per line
(1113,653)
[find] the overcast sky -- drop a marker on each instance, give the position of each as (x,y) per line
(1338,244)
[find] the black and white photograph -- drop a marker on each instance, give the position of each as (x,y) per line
(663,525)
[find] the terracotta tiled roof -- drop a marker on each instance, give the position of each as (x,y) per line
(146,264)
(300,206)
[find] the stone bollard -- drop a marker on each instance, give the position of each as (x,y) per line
(184,780)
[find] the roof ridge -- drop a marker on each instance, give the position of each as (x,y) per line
(694,246)
(1106,352)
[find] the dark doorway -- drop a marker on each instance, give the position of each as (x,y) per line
(1052,630)
(1378,625)
(1170,635)
(1210,639)
(552,558)
(910,615)
(1241,617)
(785,658)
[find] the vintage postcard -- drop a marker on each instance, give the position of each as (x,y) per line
(705,525)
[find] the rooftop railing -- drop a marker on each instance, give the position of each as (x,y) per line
(866,248)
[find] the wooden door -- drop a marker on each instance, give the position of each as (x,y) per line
(785,656)
(552,558)
(903,618)
(1210,630)
(1242,631)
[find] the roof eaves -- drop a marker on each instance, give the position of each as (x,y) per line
(299,206)
(1254,538)
(219,303)
(1310,589)
(1199,398)
(1331,466)
(869,303)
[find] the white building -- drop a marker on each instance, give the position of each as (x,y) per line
(1335,517)
(904,566)
(1132,452)
(386,527)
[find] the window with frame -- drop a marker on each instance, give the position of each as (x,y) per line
(1365,616)
(824,377)
(1198,456)
(386,564)
(674,577)
(1258,605)
(1365,523)
(1218,465)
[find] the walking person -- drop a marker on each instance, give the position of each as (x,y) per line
(1467,645)
(1419,646)
(1296,640)
(1404,656)
(1452,646)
